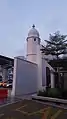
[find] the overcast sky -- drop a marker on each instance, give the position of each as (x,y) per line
(17,17)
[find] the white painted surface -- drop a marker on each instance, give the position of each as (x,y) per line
(47,65)
(25,77)
(32,49)
(14,77)
(33,32)
(52,80)
(9,92)
(39,63)
(32,41)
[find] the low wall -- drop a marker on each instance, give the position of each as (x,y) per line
(3,93)
(49,99)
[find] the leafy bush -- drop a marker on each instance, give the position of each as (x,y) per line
(64,94)
(54,92)
(50,92)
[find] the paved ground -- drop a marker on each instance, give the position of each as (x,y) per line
(8,100)
(28,109)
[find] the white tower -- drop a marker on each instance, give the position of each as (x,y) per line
(32,41)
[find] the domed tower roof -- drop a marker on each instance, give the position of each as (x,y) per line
(33,32)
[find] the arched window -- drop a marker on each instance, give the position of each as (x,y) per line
(34,39)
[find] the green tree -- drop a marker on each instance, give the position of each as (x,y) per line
(56,45)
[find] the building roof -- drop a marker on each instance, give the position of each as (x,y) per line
(59,63)
(6,60)
(33,32)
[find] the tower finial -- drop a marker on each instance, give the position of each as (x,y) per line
(33,26)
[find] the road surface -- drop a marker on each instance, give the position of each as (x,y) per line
(28,109)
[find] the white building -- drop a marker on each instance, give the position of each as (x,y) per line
(31,74)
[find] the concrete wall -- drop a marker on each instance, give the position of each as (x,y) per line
(25,77)
(32,49)
(39,71)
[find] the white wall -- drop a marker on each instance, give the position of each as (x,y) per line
(39,71)
(32,48)
(25,77)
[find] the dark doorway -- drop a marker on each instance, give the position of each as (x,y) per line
(62,80)
(56,80)
(48,80)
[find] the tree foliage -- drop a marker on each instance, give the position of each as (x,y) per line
(56,45)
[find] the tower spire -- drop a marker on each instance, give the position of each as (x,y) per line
(33,26)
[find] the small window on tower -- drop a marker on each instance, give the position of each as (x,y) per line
(34,39)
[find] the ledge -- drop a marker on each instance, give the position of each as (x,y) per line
(49,99)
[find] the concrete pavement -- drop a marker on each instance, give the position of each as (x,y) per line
(28,109)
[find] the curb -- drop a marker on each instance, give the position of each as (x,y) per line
(49,101)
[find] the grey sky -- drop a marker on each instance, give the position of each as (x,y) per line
(17,17)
